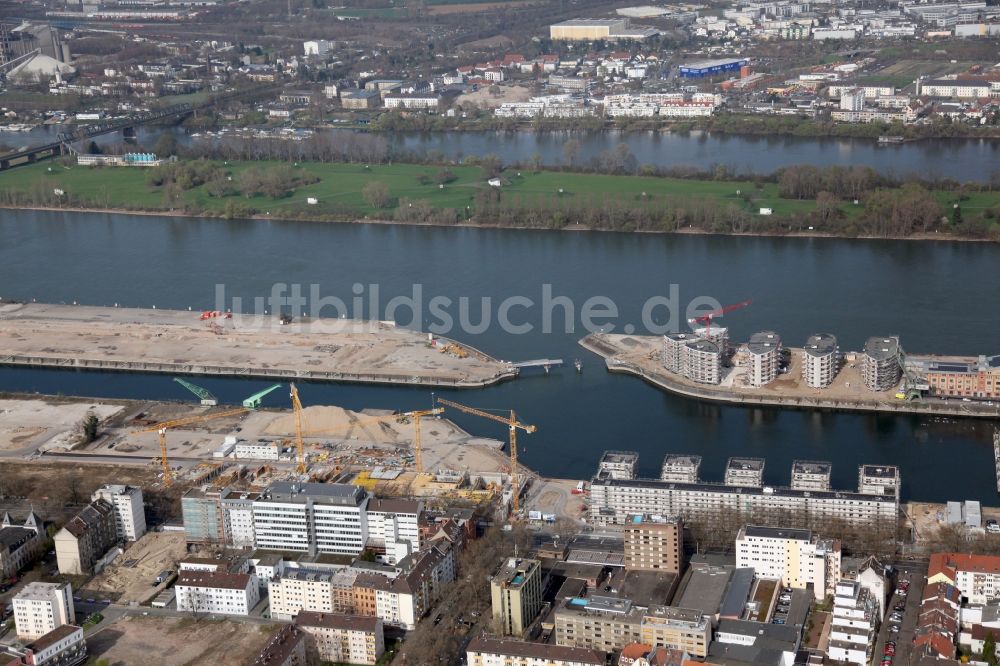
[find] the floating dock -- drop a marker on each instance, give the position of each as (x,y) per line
(639,355)
(76,337)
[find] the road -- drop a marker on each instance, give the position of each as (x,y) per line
(914,572)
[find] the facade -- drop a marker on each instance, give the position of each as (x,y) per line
(301,589)
(130,514)
(978,379)
(618,464)
(236,507)
(312,518)
(412,101)
(262,449)
(394,527)
(359,100)
(855,624)
(703,362)
(654,543)
(316,47)
(796,557)
(19,546)
(880,363)
(609,624)
(957,88)
(680,468)
(764,350)
(879,480)
(43,607)
(202,514)
(342,638)
(673,351)
(852,100)
(977,577)
(745,472)
(484,651)
(673,628)
(401,595)
(811,475)
(820,358)
(85,539)
(588,30)
(63,646)
(516,592)
(216,592)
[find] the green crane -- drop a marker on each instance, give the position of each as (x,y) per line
(253,402)
(206,397)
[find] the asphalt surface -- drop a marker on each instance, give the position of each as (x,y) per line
(914,572)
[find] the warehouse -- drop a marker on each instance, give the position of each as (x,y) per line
(702,68)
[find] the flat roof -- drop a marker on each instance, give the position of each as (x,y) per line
(705,588)
(542,651)
(338,621)
(619,456)
(514,571)
(882,348)
(322,493)
(777,532)
(706,346)
(764,342)
(589,23)
(880,471)
(737,593)
(708,64)
(776,491)
(811,467)
(682,460)
(745,464)
(821,344)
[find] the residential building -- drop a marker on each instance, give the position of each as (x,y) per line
(879,480)
(703,362)
(401,595)
(487,651)
(312,518)
(42,607)
(764,350)
(872,575)
(745,472)
(811,475)
(285,647)
(412,101)
(618,464)
(201,511)
(19,545)
(740,642)
(673,349)
(83,541)
(957,88)
(820,360)
(852,100)
(216,592)
(794,556)
(301,589)
(939,623)
(130,514)
(236,507)
(63,646)
(977,577)
(597,622)
(854,625)
(516,592)
(654,543)
(394,527)
(342,638)
(359,100)
(316,47)
(674,628)
(680,468)
(880,363)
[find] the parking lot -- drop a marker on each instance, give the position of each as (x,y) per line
(911,573)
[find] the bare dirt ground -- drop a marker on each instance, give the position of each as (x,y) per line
(928,517)
(26,425)
(178,642)
(487,100)
(472,7)
(129,577)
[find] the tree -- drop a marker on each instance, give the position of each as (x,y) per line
(536,162)
(166,145)
(89,425)
(491,165)
(376,194)
(990,650)
(570,150)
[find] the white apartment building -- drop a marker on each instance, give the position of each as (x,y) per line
(61,646)
(216,593)
(352,639)
(703,362)
(820,358)
(811,475)
(301,589)
(486,651)
(43,607)
(673,351)
(977,577)
(394,527)
(130,515)
(418,101)
(311,517)
(316,47)
(262,449)
(764,351)
(794,556)
(237,517)
(855,624)
(686,109)
(852,100)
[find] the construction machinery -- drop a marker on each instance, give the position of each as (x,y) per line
(417,455)
(254,401)
(706,319)
(512,425)
(300,451)
(206,397)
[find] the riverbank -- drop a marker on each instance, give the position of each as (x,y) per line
(640,356)
(489,196)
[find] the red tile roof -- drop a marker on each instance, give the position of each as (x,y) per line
(950,563)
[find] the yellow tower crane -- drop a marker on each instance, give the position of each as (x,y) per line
(512,424)
(417,453)
(299,447)
(162,428)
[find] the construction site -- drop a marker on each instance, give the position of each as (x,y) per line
(226,344)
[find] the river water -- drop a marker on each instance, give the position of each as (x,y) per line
(961,159)
(940,297)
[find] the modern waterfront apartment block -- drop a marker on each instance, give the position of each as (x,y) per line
(820,359)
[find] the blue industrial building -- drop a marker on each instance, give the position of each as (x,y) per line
(702,68)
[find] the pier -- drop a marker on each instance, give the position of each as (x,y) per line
(72,337)
(547,363)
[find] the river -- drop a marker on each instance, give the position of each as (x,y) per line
(938,296)
(961,159)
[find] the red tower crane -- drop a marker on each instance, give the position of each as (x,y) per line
(706,319)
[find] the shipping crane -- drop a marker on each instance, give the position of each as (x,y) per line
(253,402)
(163,426)
(206,396)
(512,424)
(706,319)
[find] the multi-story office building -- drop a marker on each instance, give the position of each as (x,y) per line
(796,557)
(301,589)
(854,626)
(86,538)
(879,480)
(764,350)
(654,543)
(703,362)
(312,518)
(680,468)
(216,592)
(745,472)
(880,363)
(202,514)
(619,464)
(19,545)
(811,475)
(516,592)
(486,651)
(820,360)
(236,507)
(42,607)
(130,514)
(349,639)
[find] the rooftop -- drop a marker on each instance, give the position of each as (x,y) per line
(540,651)
(777,533)
(280,646)
(745,464)
(514,571)
(619,457)
(882,348)
(337,621)
(681,460)
(703,346)
(880,471)
(213,579)
(764,342)
(941,562)
(38,591)
(54,636)
(811,467)
(821,344)
(319,493)
(590,22)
